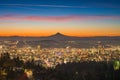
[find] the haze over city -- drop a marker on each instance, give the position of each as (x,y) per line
(73,18)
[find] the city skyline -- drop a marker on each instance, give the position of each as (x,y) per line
(73,18)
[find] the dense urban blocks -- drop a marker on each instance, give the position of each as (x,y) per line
(63,63)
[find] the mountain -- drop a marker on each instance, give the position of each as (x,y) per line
(59,36)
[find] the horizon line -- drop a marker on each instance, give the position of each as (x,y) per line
(55,34)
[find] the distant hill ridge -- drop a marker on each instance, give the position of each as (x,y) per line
(58,36)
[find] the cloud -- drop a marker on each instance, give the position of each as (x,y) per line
(56,18)
(83,4)
(39,18)
(40,5)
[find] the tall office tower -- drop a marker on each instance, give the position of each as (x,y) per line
(101,49)
(38,48)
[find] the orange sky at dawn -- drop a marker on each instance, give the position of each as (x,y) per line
(71,26)
(79,34)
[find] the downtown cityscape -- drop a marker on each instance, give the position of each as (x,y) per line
(53,55)
(26,54)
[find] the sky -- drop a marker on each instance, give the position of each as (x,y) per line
(70,17)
